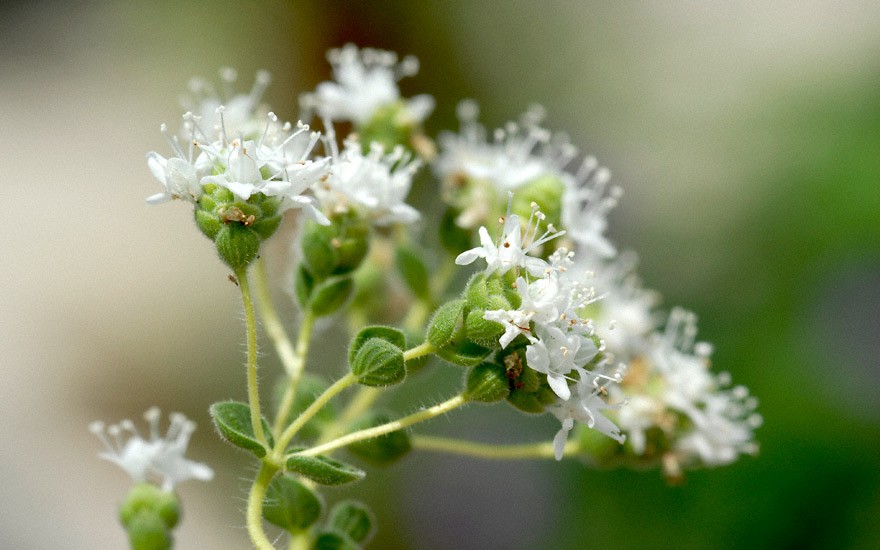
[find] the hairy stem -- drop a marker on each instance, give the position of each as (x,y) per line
(489,451)
(251,328)
(370,433)
(255,508)
(311,411)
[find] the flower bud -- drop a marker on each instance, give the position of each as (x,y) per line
(237,245)
(487,383)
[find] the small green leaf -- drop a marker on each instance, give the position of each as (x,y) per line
(487,383)
(303,283)
(330,295)
(354,519)
(328,539)
(414,272)
(323,470)
(389,334)
(233,421)
(290,505)
(383,449)
(442,326)
(378,362)
(466,353)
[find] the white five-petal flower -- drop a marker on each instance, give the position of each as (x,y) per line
(152,458)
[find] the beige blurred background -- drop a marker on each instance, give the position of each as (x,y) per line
(110,306)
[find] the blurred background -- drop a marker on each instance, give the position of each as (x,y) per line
(746,137)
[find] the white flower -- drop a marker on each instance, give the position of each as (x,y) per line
(673,389)
(513,249)
(179,174)
(366,80)
(155,457)
(556,353)
(376,184)
(585,208)
(276,165)
(516,155)
(585,406)
(625,317)
(241,110)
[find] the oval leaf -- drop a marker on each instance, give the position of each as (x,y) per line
(323,470)
(290,505)
(233,421)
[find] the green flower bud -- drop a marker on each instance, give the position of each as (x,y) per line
(476,293)
(443,324)
(546,191)
(319,254)
(389,126)
(146,531)
(237,245)
(378,362)
(482,331)
(148,515)
(208,223)
(330,295)
(487,383)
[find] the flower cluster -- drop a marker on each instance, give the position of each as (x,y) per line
(152,457)
(561,316)
(557,322)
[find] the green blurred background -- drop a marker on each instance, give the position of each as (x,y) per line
(746,137)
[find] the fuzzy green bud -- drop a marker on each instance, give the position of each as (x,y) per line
(237,245)
(378,362)
(148,515)
(546,191)
(487,383)
(443,324)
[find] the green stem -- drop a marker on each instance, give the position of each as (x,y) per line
(418,351)
(311,411)
(370,433)
(301,541)
(488,450)
(255,507)
(271,322)
(251,325)
(295,373)
(359,404)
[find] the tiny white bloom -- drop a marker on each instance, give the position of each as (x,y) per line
(513,249)
(365,81)
(585,406)
(585,207)
(241,118)
(152,457)
(178,174)
(376,184)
